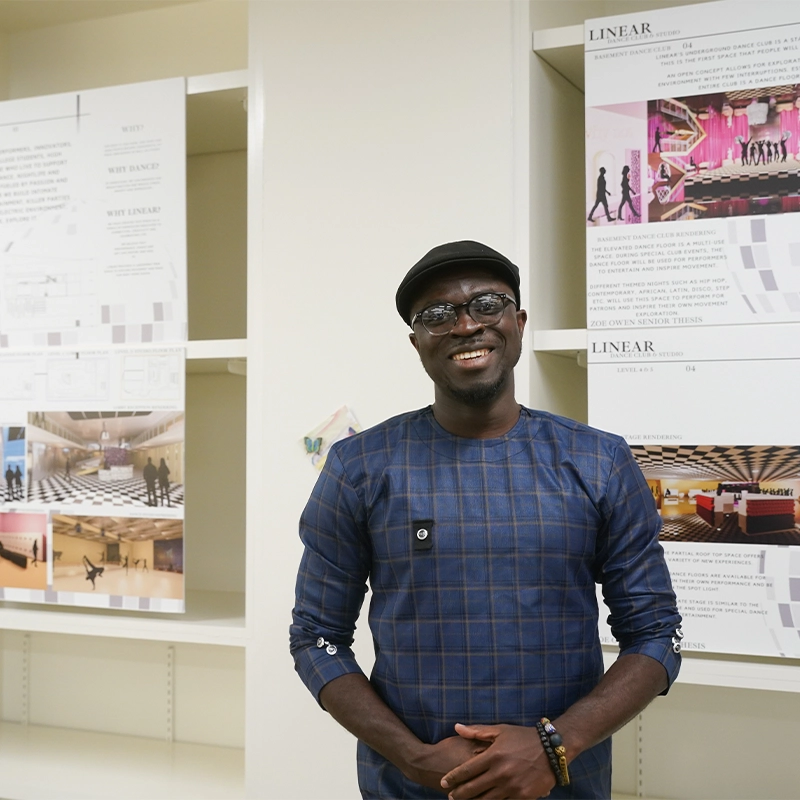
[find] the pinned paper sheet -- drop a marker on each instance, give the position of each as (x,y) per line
(338,426)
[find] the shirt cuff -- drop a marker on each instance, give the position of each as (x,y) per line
(319,665)
(662,650)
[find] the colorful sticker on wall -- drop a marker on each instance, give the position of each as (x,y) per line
(319,441)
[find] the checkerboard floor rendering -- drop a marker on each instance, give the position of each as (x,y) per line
(718,463)
(6,497)
(88,490)
(690,528)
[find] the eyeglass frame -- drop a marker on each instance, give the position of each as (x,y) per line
(505,297)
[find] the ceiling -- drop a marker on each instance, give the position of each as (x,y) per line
(117,529)
(120,426)
(24,15)
(718,463)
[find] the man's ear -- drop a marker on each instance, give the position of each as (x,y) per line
(412,337)
(522,318)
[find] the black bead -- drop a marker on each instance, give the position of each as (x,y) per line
(556,740)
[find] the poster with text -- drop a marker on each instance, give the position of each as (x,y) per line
(693,299)
(93,327)
(93,217)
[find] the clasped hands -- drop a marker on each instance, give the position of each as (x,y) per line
(501,762)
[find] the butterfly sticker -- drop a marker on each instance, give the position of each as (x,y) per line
(312,445)
(317,443)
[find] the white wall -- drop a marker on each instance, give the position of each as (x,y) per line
(191,39)
(388,129)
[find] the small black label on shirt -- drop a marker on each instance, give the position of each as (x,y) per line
(422,534)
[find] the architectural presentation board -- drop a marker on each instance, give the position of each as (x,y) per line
(93,329)
(693,298)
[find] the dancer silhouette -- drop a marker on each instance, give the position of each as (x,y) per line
(163,481)
(657,139)
(626,193)
(745,144)
(92,572)
(150,475)
(600,198)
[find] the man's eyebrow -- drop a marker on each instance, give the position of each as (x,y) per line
(437,303)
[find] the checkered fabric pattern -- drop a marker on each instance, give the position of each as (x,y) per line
(718,464)
(483,557)
(88,490)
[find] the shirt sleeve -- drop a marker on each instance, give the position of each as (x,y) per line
(331,581)
(632,569)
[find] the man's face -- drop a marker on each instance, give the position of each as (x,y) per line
(473,363)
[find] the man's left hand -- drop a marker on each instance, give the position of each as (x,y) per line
(513,766)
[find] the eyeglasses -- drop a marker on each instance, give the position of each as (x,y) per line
(486,309)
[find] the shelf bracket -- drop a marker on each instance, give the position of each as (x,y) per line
(26,678)
(170,687)
(640,755)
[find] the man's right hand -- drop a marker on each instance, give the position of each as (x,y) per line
(352,702)
(436,760)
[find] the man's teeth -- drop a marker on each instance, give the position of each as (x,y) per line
(471,354)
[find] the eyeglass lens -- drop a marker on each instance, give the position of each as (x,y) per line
(484,308)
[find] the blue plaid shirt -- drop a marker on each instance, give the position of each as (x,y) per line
(490,614)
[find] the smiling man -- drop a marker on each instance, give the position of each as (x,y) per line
(482,528)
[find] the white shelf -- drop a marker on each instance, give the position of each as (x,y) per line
(562,49)
(218,81)
(216,113)
(217,355)
(739,674)
(566,342)
(37,762)
(216,348)
(211,618)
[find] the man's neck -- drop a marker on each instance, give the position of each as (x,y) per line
(487,421)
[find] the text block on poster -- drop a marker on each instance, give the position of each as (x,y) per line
(693,298)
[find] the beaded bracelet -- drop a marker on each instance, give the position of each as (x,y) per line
(557,743)
(548,749)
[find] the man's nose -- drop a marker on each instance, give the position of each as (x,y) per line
(465,324)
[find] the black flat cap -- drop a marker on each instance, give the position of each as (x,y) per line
(468,254)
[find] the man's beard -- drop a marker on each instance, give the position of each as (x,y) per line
(481,394)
